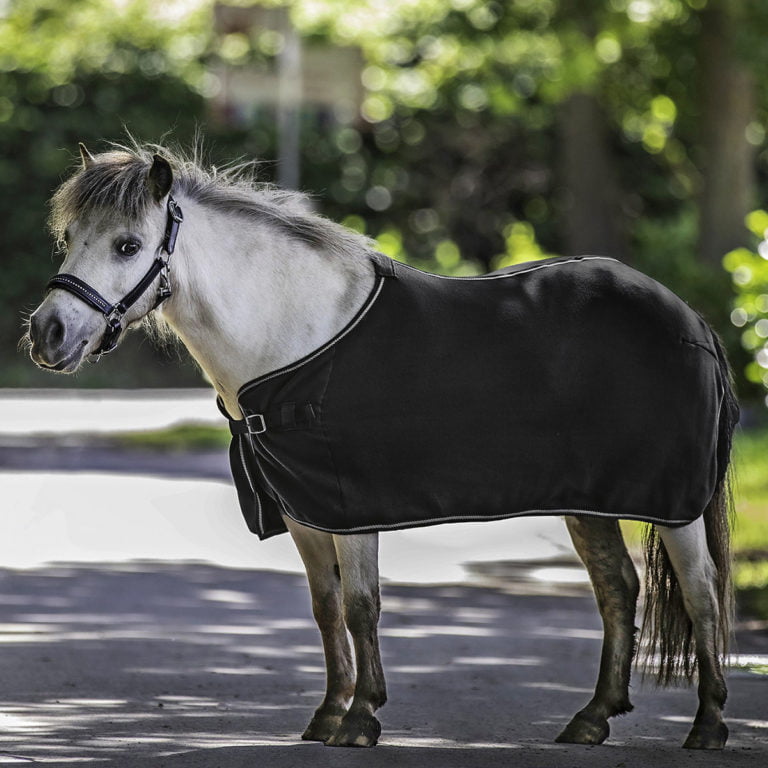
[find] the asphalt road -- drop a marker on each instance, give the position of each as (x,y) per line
(164,665)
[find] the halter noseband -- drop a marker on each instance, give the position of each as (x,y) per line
(114,313)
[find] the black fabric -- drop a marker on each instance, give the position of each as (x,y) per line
(567,386)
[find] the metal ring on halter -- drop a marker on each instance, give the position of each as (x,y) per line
(114,313)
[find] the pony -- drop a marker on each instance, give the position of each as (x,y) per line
(257,287)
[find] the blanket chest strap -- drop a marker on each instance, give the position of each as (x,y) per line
(285,417)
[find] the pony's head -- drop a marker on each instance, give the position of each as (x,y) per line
(115,221)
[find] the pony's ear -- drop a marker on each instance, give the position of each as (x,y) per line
(85,155)
(159,178)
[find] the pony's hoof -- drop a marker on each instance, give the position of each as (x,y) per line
(707,737)
(584,730)
(324,723)
(356,730)
(321,728)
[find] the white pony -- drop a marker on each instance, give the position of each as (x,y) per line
(257,283)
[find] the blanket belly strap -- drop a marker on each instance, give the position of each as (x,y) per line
(284,418)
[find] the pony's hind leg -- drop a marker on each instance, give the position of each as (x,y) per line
(319,556)
(358,561)
(600,545)
(688,552)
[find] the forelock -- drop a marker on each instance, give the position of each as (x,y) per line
(114,182)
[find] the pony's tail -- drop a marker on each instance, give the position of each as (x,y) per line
(667,631)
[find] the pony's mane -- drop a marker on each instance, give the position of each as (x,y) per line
(115,182)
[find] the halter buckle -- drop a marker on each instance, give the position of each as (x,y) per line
(115,315)
(113,330)
(175,217)
(164,290)
(174,211)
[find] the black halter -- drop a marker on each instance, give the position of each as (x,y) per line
(114,313)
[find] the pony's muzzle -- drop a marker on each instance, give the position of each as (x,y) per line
(54,345)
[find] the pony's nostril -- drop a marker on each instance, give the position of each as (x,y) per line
(54,333)
(46,333)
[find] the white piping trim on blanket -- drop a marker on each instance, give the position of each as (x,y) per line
(250,483)
(319,351)
(717,423)
(534,268)
(488,518)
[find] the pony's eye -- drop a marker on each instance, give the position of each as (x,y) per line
(128,247)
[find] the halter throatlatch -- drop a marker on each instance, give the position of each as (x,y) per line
(114,313)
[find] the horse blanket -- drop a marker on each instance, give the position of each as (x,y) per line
(565,386)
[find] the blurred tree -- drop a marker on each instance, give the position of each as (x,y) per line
(593,219)
(727,93)
(627,94)
(651,107)
(490,130)
(76,71)
(591,197)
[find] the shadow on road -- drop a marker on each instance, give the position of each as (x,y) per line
(147,664)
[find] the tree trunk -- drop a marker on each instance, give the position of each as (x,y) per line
(592,216)
(727,162)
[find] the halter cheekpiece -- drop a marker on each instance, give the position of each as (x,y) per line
(114,313)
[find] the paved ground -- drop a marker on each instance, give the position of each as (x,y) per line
(175,663)
(146,664)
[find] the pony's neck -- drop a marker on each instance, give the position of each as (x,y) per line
(249,299)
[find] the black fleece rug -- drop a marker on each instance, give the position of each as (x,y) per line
(566,386)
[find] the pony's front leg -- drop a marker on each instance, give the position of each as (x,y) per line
(358,561)
(319,556)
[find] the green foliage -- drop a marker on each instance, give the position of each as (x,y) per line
(453,164)
(81,71)
(57,41)
(521,246)
(753,574)
(749,273)
(469,91)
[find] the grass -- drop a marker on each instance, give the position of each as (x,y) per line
(751,491)
(750,535)
(184,437)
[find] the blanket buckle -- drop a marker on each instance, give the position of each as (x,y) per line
(255,424)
